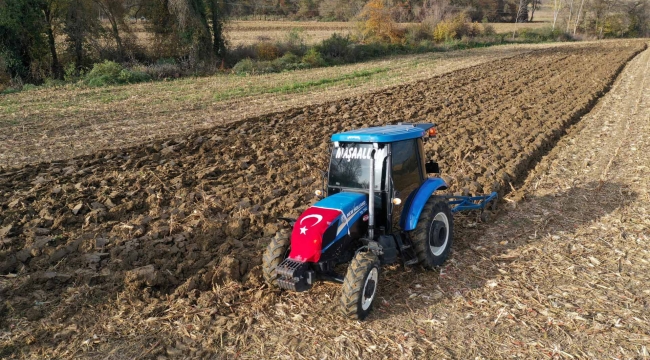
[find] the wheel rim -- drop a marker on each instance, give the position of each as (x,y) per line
(369,289)
(438,239)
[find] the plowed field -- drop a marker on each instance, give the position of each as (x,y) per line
(155,250)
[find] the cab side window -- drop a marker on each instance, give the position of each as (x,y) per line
(406,172)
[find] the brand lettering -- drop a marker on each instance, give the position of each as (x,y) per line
(353,153)
(356,209)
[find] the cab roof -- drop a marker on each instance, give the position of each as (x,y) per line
(383,134)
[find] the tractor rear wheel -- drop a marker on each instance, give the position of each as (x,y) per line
(276,251)
(360,286)
(434,233)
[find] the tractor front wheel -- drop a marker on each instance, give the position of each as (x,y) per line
(433,235)
(360,286)
(276,251)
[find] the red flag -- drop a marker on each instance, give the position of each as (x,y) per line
(307,235)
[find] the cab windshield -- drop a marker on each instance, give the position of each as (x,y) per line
(350,166)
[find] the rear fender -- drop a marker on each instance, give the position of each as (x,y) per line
(416,201)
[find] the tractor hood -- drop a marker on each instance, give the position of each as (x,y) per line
(325,223)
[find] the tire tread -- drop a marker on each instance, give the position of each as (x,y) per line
(354,282)
(274,255)
(419,235)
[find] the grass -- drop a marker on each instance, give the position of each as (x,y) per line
(299,86)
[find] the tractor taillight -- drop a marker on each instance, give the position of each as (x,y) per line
(433,132)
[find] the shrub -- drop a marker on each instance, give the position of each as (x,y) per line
(267,51)
(239,53)
(104,73)
(335,48)
(245,66)
(456,28)
(131,77)
(444,31)
(50,83)
(166,61)
(5,79)
(614,26)
(313,58)
(418,33)
(543,34)
(294,38)
(112,73)
(161,71)
(70,73)
(289,61)
(488,30)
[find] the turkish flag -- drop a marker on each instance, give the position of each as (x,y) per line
(307,235)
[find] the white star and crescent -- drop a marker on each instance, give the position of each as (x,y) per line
(318,218)
(303,230)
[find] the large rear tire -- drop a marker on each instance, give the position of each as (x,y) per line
(360,286)
(434,233)
(276,251)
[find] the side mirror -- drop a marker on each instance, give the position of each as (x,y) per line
(432,167)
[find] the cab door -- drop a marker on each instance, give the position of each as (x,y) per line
(406,174)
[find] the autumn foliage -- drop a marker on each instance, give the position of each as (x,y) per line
(456,27)
(376,23)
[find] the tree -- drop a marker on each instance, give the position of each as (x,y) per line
(22,43)
(192,18)
(557,6)
(434,11)
(115,12)
(638,16)
(52,12)
(377,24)
(164,27)
(307,8)
(81,26)
(199,25)
(217,12)
(568,22)
(534,4)
(340,10)
(577,21)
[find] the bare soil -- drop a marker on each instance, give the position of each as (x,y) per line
(61,123)
(154,251)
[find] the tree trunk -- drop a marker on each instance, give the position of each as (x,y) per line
(533,8)
(116,36)
(568,22)
(55,66)
(556,11)
(575,28)
(218,43)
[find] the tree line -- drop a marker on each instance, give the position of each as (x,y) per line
(59,39)
(53,38)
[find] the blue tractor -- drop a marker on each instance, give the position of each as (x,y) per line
(382,204)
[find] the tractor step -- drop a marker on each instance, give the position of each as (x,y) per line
(411,262)
(409,257)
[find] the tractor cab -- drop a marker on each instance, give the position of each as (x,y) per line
(399,163)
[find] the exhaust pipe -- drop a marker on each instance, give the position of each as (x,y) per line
(371,194)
